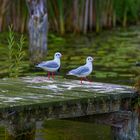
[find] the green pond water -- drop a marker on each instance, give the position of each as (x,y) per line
(115,54)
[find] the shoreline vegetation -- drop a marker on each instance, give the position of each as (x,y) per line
(74,16)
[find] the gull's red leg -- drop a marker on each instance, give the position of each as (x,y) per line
(49,75)
(81,80)
(87,79)
(52,75)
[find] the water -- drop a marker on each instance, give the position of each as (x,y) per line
(72,130)
(115,54)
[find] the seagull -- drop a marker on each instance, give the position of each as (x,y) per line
(84,70)
(52,65)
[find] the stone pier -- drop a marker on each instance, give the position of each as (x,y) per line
(25,101)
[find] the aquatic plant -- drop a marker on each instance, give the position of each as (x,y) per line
(15,53)
(19,55)
(11,42)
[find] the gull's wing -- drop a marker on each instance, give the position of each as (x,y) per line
(79,71)
(48,64)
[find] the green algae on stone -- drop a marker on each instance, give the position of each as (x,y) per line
(32,91)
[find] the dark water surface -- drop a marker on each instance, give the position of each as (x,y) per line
(115,54)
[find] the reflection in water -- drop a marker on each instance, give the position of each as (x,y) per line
(115,55)
(71,130)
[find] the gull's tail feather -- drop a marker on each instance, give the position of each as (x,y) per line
(40,65)
(59,69)
(70,73)
(36,66)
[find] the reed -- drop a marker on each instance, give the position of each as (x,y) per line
(15,54)
(74,15)
(60,5)
(19,56)
(11,43)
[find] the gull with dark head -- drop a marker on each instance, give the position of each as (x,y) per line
(52,65)
(83,71)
